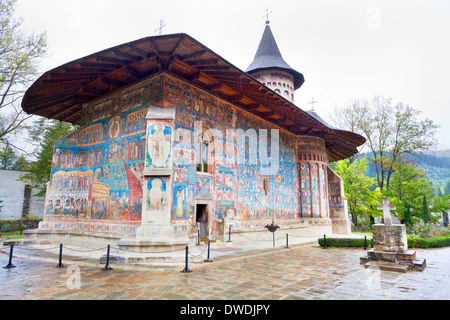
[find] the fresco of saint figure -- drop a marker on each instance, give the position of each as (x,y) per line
(158,145)
(156,195)
(179,202)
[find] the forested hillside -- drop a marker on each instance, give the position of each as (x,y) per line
(436,165)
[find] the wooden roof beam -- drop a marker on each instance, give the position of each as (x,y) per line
(70,79)
(73,115)
(192,55)
(236,97)
(140,52)
(223,73)
(178,46)
(205,62)
(94,65)
(212,68)
(112,83)
(252,106)
(133,72)
(215,87)
(195,76)
(165,63)
(60,112)
(128,56)
(112,60)
(93,91)
(76,71)
(50,103)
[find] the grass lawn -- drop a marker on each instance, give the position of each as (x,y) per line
(11,235)
(368,233)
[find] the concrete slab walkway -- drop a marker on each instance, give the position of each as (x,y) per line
(238,272)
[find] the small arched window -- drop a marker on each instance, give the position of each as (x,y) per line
(266,187)
(204,152)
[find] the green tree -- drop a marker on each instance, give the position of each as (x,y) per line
(44,133)
(361,200)
(10,161)
(409,185)
(426,216)
(407,216)
(391,131)
(6,158)
(447,188)
(441,205)
(19,58)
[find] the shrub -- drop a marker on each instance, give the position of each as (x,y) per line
(424,243)
(345,242)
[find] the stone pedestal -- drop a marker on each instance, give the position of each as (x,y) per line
(390,250)
(154,237)
(389,238)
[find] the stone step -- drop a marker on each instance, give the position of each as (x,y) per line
(419,264)
(387,266)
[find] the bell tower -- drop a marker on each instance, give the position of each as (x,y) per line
(269,67)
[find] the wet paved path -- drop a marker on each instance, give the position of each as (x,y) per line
(303,272)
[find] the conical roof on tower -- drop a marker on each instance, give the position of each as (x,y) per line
(268,57)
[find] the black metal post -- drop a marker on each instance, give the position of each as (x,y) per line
(10,265)
(273,239)
(287,241)
(186,268)
(107,267)
(365,242)
(325,242)
(60,265)
(198,237)
(229,234)
(208,259)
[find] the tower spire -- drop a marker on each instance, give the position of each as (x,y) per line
(268,57)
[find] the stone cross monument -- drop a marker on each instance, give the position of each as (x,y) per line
(390,245)
(386,207)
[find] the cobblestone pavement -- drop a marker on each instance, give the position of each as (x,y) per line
(301,272)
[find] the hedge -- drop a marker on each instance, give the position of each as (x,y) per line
(413,242)
(436,242)
(345,242)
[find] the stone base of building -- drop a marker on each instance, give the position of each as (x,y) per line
(341,226)
(83,239)
(154,237)
(166,243)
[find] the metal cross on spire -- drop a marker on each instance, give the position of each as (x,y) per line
(161,26)
(267,16)
(312,103)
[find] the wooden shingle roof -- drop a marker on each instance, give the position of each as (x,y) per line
(61,92)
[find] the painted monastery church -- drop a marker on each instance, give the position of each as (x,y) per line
(174,140)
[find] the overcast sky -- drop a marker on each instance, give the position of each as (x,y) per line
(346,49)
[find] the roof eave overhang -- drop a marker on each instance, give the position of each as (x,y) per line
(61,92)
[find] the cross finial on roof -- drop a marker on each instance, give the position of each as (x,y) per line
(161,26)
(312,103)
(267,16)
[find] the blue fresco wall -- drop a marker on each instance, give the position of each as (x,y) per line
(235,189)
(97,171)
